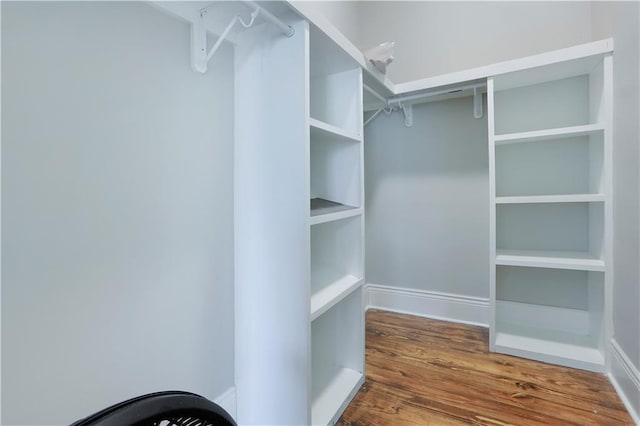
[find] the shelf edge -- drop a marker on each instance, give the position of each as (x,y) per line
(541,199)
(334,130)
(546,134)
(342,288)
(330,217)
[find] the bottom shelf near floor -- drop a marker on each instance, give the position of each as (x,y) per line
(574,341)
(332,400)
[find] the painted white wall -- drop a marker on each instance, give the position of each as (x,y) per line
(626,180)
(622,21)
(117,209)
(427,200)
(437,37)
(344,15)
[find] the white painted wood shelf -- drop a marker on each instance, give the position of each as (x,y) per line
(554,347)
(550,334)
(335,397)
(549,134)
(333,293)
(323,211)
(322,131)
(562,198)
(580,261)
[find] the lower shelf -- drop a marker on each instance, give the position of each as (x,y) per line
(570,354)
(329,404)
(575,343)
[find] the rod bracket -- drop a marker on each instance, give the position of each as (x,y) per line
(199,43)
(477,103)
(407,109)
(200,56)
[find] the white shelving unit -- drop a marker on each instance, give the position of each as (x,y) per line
(336,223)
(550,218)
(299,227)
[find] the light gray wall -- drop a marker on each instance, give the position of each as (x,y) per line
(344,15)
(427,200)
(622,21)
(117,210)
(437,37)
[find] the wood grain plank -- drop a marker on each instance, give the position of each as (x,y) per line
(428,372)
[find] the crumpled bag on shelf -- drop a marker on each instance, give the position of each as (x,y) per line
(381,55)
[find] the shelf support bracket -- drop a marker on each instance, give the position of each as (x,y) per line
(200,56)
(407,109)
(199,44)
(477,102)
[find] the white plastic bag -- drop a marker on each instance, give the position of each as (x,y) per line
(380,55)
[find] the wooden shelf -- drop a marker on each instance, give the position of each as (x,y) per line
(325,131)
(563,198)
(579,261)
(328,406)
(330,295)
(323,211)
(548,134)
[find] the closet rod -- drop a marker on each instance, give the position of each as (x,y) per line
(418,96)
(374,93)
(287,30)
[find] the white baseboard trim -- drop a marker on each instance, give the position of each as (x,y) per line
(625,378)
(227,400)
(429,304)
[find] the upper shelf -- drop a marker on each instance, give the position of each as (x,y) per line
(325,131)
(547,134)
(189,11)
(386,87)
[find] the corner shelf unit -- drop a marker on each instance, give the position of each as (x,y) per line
(550,217)
(336,227)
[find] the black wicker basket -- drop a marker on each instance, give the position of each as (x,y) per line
(171,408)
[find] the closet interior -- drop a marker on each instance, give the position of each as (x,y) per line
(300,208)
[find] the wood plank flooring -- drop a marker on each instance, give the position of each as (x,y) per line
(427,372)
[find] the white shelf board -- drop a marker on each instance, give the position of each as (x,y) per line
(330,295)
(548,134)
(324,131)
(330,217)
(567,55)
(579,261)
(573,351)
(562,198)
(329,405)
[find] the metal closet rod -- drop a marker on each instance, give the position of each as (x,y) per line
(406,102)
(408,98)
(374,93)
(287,30)
(418,96)
(200,61)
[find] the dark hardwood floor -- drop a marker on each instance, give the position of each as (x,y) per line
(427,372)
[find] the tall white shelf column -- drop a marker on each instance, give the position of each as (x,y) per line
(299,228)
(550,148)
(272,344)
